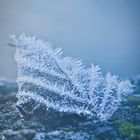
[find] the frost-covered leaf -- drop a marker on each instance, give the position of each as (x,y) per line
(48,80)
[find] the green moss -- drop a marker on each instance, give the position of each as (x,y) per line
(130,130)
(133,100)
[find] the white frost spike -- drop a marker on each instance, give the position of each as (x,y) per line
(47,80)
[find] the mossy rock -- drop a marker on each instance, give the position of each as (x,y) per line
(129,130)
(133,100)
(138,106)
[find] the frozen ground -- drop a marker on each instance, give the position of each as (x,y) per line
(125,124)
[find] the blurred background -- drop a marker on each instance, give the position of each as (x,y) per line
(102,32)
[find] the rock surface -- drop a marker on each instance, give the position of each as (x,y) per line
(124,125)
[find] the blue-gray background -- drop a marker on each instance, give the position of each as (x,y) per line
(104,32)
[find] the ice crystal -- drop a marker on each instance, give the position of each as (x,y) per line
(46,79)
